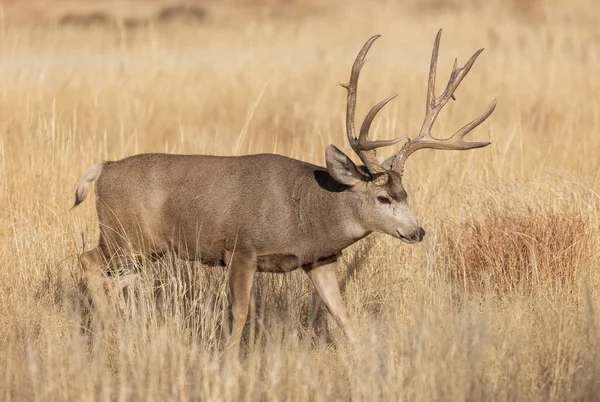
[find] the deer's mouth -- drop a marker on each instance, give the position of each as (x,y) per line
(416,236)
(405,239)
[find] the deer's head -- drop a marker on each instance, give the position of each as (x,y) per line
(382,200)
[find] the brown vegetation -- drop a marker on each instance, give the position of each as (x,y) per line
(519,243)
(519,217)
(173,14)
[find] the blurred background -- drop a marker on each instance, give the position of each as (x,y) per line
(142,12)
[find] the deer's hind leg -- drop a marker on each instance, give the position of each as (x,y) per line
(94,266)
(106,292)
(242,268)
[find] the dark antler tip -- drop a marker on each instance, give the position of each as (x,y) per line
(436,43)
(492,107)
(371,40)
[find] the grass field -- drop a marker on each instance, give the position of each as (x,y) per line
(500,300)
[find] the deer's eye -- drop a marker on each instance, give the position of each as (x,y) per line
(384,200)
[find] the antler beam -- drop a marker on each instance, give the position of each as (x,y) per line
(363,146)
(433,108)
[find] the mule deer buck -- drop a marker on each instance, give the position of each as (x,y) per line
(267,212)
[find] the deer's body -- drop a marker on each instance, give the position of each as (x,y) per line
(264,212)
(288,212)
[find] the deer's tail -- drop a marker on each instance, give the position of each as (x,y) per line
(85,183)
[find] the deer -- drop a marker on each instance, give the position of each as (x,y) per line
(266,212)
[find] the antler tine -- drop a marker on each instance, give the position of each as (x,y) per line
(457,138)
(363,146)
(456,77)
(433,108)
(433,70)
(364,142)
(352,87)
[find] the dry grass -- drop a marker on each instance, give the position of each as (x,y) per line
(515,241)
(519,217)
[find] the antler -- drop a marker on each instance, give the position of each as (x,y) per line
(363,146)
(434,105)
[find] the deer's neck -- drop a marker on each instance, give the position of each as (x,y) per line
(328,212)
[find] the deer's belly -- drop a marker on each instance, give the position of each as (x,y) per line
(288,262)
(278,263)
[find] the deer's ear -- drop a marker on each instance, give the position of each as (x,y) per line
(341,168)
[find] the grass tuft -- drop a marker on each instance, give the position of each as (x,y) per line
(518,246)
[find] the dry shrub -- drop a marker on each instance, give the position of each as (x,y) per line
(181,13)
(518,246)
(171,14)
(95,18)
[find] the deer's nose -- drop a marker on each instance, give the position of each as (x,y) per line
(418,235)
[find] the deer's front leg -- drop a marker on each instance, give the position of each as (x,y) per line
(242,267)
(325,280)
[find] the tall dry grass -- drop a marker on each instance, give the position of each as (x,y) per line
(499,302)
